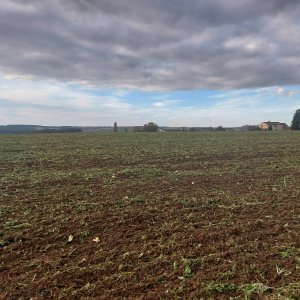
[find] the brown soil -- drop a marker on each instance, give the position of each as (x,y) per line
(220,227)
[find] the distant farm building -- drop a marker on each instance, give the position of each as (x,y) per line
(274,125)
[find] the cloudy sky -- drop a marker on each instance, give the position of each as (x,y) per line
(174,62)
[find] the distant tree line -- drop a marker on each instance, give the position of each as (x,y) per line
(13,129)
(61,130)
(19,128)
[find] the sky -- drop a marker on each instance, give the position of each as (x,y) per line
(173,62)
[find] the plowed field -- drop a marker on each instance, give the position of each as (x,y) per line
(150,216)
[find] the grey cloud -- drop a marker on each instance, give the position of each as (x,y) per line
(153,45)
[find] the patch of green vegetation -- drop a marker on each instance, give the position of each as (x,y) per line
(290,291)
(141,172)
(14,224)
(5,209)
(221,287)
(290,252)
(254,288)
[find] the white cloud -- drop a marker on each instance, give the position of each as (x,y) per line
(250,44)
(159,104)
(49,103)
(281,91)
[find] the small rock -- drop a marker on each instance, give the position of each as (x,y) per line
(96,240)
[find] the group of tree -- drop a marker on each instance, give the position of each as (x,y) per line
(296,120)
(150,127)
(220,128)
